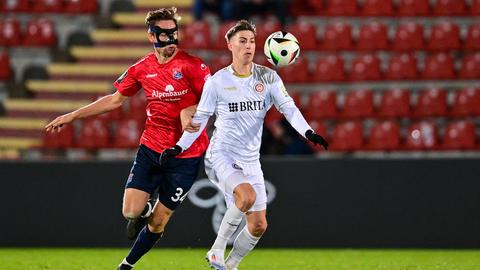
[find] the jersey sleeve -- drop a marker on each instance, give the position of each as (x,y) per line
(279,93)
(208,101)
(198,74)
(127,84)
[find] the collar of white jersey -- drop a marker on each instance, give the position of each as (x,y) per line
(230,68)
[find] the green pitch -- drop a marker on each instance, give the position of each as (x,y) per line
(260,259)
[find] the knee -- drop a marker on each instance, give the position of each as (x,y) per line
(245,198)
(131,212)
(157,222)
(258,228)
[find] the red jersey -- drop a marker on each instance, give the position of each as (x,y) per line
(169,88)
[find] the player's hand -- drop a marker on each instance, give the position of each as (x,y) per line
(186,116)
(57,123)
(170,152)
(316,139)
(192,127)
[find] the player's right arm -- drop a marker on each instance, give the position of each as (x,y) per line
(102,105)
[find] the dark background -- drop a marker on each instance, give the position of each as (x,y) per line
(372,203)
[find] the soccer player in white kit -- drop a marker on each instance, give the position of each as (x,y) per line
(240,95)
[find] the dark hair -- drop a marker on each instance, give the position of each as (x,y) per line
(240,26)
(161,14)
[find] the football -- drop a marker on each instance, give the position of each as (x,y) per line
(281,48)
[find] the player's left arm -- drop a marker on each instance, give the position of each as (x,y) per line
(186,116)
(287,107)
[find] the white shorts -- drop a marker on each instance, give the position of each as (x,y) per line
(226,174)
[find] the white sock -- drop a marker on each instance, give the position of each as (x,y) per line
(231,220)
(125,262)
(242,245)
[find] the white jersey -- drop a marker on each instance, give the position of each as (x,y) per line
(240,105)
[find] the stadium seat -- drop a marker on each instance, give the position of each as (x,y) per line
(373,36)
(321,105)
(114,115)
(196,35)
(472,41)
(413,8)
(137,104)
(358,104)
(421,136)
(466,102)
(265,29)
(14,5)
(220,62)
(439,66)
(220,42)
(402,67)
(40,32)
(347,136)
(296,72)
(5,68)
(341,7)
(94,134)
(57,140)
(408,37)
(475,7)
(307,32)
(431,102)
(459,135)
(10,34)
(128,133)
(445,36)
(449,7)
(53,6)
(377,8)
(365,67)
(337,36)
(470,66)
(329,68)
(81,6)
(384,136)
(395,103)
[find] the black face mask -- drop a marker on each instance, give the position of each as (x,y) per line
(157,31)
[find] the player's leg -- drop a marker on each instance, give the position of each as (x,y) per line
(138,205)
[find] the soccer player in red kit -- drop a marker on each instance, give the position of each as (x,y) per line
(172,81)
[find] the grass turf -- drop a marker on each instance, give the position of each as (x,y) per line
(275,259)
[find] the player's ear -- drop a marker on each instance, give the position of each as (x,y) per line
(151,37)
(229,45)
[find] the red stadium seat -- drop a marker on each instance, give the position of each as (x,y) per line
(475,7)
(329,68)
(431,102)
(445,36)
(221,42)
(439,66)
(14,5)
(128,133)
(296,72)
(347,136)
(377,8)
(402,67)
(466,102)
(358,104)
(54,6)
(408,37)
(62,139)
(421,136)
(265,29)
(137,106)
(413,8)
(470,67)
(321,105)
(373,36)
(384,136)
(196,35)
(10,34)
(365,67)
(81,6)
(307,32)
(341,7)
(459,135)
(273,115)
(5,68)
(449,7)
(337,36)
(395,103)
(472,41)
(220,62)
(94,134)
(40,32)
